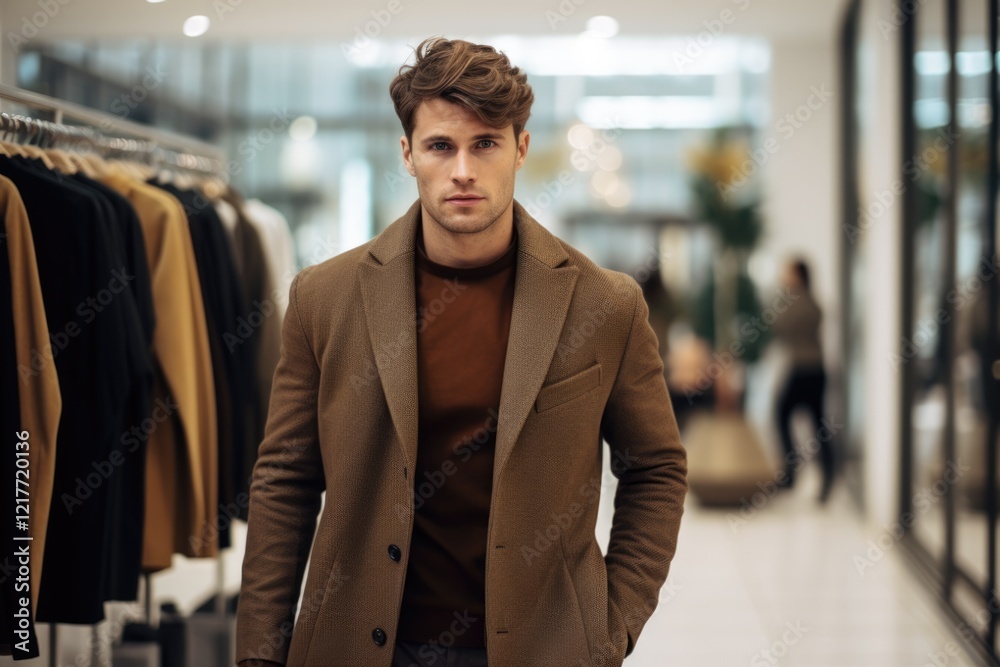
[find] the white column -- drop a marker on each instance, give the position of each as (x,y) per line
(881,171)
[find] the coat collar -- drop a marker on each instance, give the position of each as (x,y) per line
(399,238)
(543,288)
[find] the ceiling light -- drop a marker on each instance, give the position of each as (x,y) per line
(302,128)
(196,26)
(602,26)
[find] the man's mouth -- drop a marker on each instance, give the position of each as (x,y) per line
(464,200)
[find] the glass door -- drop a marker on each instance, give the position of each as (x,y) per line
(951,320)
(923,357)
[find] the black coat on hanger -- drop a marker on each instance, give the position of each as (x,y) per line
(101,353)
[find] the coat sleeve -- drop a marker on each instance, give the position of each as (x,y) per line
(650,464)
(285,492)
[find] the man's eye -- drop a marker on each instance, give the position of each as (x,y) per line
(439,143)
(487,141)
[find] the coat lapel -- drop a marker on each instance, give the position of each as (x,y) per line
(543,288)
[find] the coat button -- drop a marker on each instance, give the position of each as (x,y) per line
(395,553)
(378,635)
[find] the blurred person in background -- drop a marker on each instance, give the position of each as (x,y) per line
(797,329)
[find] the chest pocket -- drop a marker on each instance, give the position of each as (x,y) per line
(569,388)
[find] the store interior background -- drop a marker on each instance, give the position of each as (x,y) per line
(297,95)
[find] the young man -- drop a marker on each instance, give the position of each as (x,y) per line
(449,384)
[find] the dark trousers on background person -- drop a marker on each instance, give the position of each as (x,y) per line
(416,654)
(804,388)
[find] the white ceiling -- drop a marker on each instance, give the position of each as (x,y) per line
(280,20)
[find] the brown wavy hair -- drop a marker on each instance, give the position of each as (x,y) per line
(475,76)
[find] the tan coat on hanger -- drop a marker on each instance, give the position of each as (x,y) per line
(182,449)
(582,364)
(38,383)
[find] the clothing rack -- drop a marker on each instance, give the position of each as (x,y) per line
(111,124)
(158,147)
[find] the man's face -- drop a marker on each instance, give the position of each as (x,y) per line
(464,168)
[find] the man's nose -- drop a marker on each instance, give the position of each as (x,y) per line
(463,169)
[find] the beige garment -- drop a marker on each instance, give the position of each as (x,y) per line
(279,257)
(182,453)
(582,367)
(279,246)
(38,388)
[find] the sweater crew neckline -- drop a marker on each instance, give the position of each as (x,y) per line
(504,261)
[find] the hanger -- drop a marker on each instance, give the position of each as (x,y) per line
(12,127)
(4,124)
(31,150)
(59,157)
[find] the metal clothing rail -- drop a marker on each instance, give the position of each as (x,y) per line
(109,122)
(47,134)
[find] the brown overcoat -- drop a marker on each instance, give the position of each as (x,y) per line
(582,367)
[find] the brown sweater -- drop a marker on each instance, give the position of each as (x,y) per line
(463,319)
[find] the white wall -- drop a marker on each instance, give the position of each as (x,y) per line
(800,176)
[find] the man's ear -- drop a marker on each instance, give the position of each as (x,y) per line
(404,144)
(522,148)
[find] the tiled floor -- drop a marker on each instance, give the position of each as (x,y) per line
(784,588)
